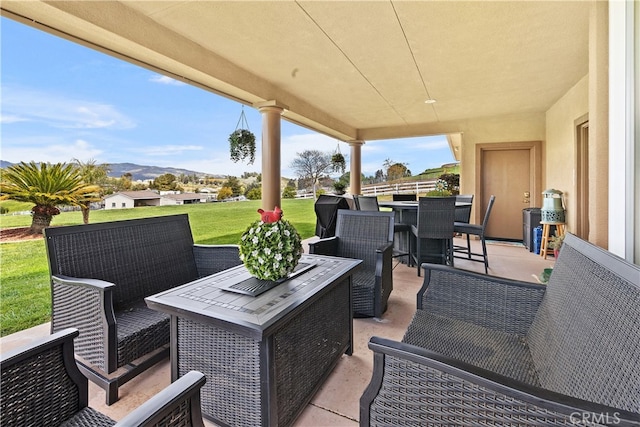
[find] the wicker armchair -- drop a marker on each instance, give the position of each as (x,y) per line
(483,350)
(42,386)
(100,275)
(367,236)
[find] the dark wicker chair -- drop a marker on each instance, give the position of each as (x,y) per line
(42,386)
(434,231)
(412,197)
(100,275)
(475,230)
(463,213)
(367,236)
(370,203)
(484,350)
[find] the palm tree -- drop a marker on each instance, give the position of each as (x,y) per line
(92,174)
(47,186)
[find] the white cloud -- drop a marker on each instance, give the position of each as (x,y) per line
(167,150)
(12,119)
(60,111)
(165,80)
(53,152)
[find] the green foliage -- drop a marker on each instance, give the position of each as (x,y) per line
(452,180)
(339,187)
(289,193)
(224,193)
(438,193)
(15,206)
(25,293)
(338,163)
(166,182)
(234,184)
(255,193)
(397,171)
(242,145)
(270,251)
(46,186)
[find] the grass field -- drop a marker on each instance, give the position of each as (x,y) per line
(25,298)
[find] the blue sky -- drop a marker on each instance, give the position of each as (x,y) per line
(61,101)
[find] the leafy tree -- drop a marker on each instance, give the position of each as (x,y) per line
(93,174)
(126,181)
(234,184)
(396,171)
(166,182)
(289,192)
(224,193)
(255,193)
(380,176)
(47,186)
(311,164)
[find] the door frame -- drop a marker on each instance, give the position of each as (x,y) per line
(582,177)
(535,166)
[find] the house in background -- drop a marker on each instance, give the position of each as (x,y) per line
(134,199)
(182,199)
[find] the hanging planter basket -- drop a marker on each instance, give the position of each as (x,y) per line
(242,142)
(338,162)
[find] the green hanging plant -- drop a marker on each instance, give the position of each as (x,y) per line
(338,162)
(242,145)
(242,142)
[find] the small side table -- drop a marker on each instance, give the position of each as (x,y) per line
(546,227)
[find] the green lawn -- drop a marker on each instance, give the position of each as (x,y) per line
(25,298)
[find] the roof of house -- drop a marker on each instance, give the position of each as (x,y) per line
(136,195)
(185,196)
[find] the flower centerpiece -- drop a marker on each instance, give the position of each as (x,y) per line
(271,247)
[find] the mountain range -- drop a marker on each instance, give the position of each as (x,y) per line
(140,172)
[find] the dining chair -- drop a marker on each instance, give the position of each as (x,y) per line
(366,203)
(404,197)
(370,203)
(476,230)
(463,213)
(434,228)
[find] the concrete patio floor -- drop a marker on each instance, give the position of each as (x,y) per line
(337,403)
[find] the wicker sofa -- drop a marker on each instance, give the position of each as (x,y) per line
(42,386)
(482,350)
(100,275)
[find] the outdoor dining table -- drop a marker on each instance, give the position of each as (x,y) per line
(264,356)
(407,213)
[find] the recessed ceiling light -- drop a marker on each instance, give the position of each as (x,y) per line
(430,101)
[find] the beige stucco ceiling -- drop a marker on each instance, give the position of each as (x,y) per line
(350,69)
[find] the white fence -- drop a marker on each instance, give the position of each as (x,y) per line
(418,187)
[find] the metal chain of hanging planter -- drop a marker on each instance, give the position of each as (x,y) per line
(242,142)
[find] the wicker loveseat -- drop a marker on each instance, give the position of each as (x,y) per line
(482,350)
(42,386)
(100,275)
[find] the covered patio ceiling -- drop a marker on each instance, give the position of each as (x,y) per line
(354,70)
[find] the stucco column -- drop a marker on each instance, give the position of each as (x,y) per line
(355,166)
(271,112)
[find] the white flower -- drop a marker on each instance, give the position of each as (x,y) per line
(270,251)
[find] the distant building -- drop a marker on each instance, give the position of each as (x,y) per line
(133,199)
